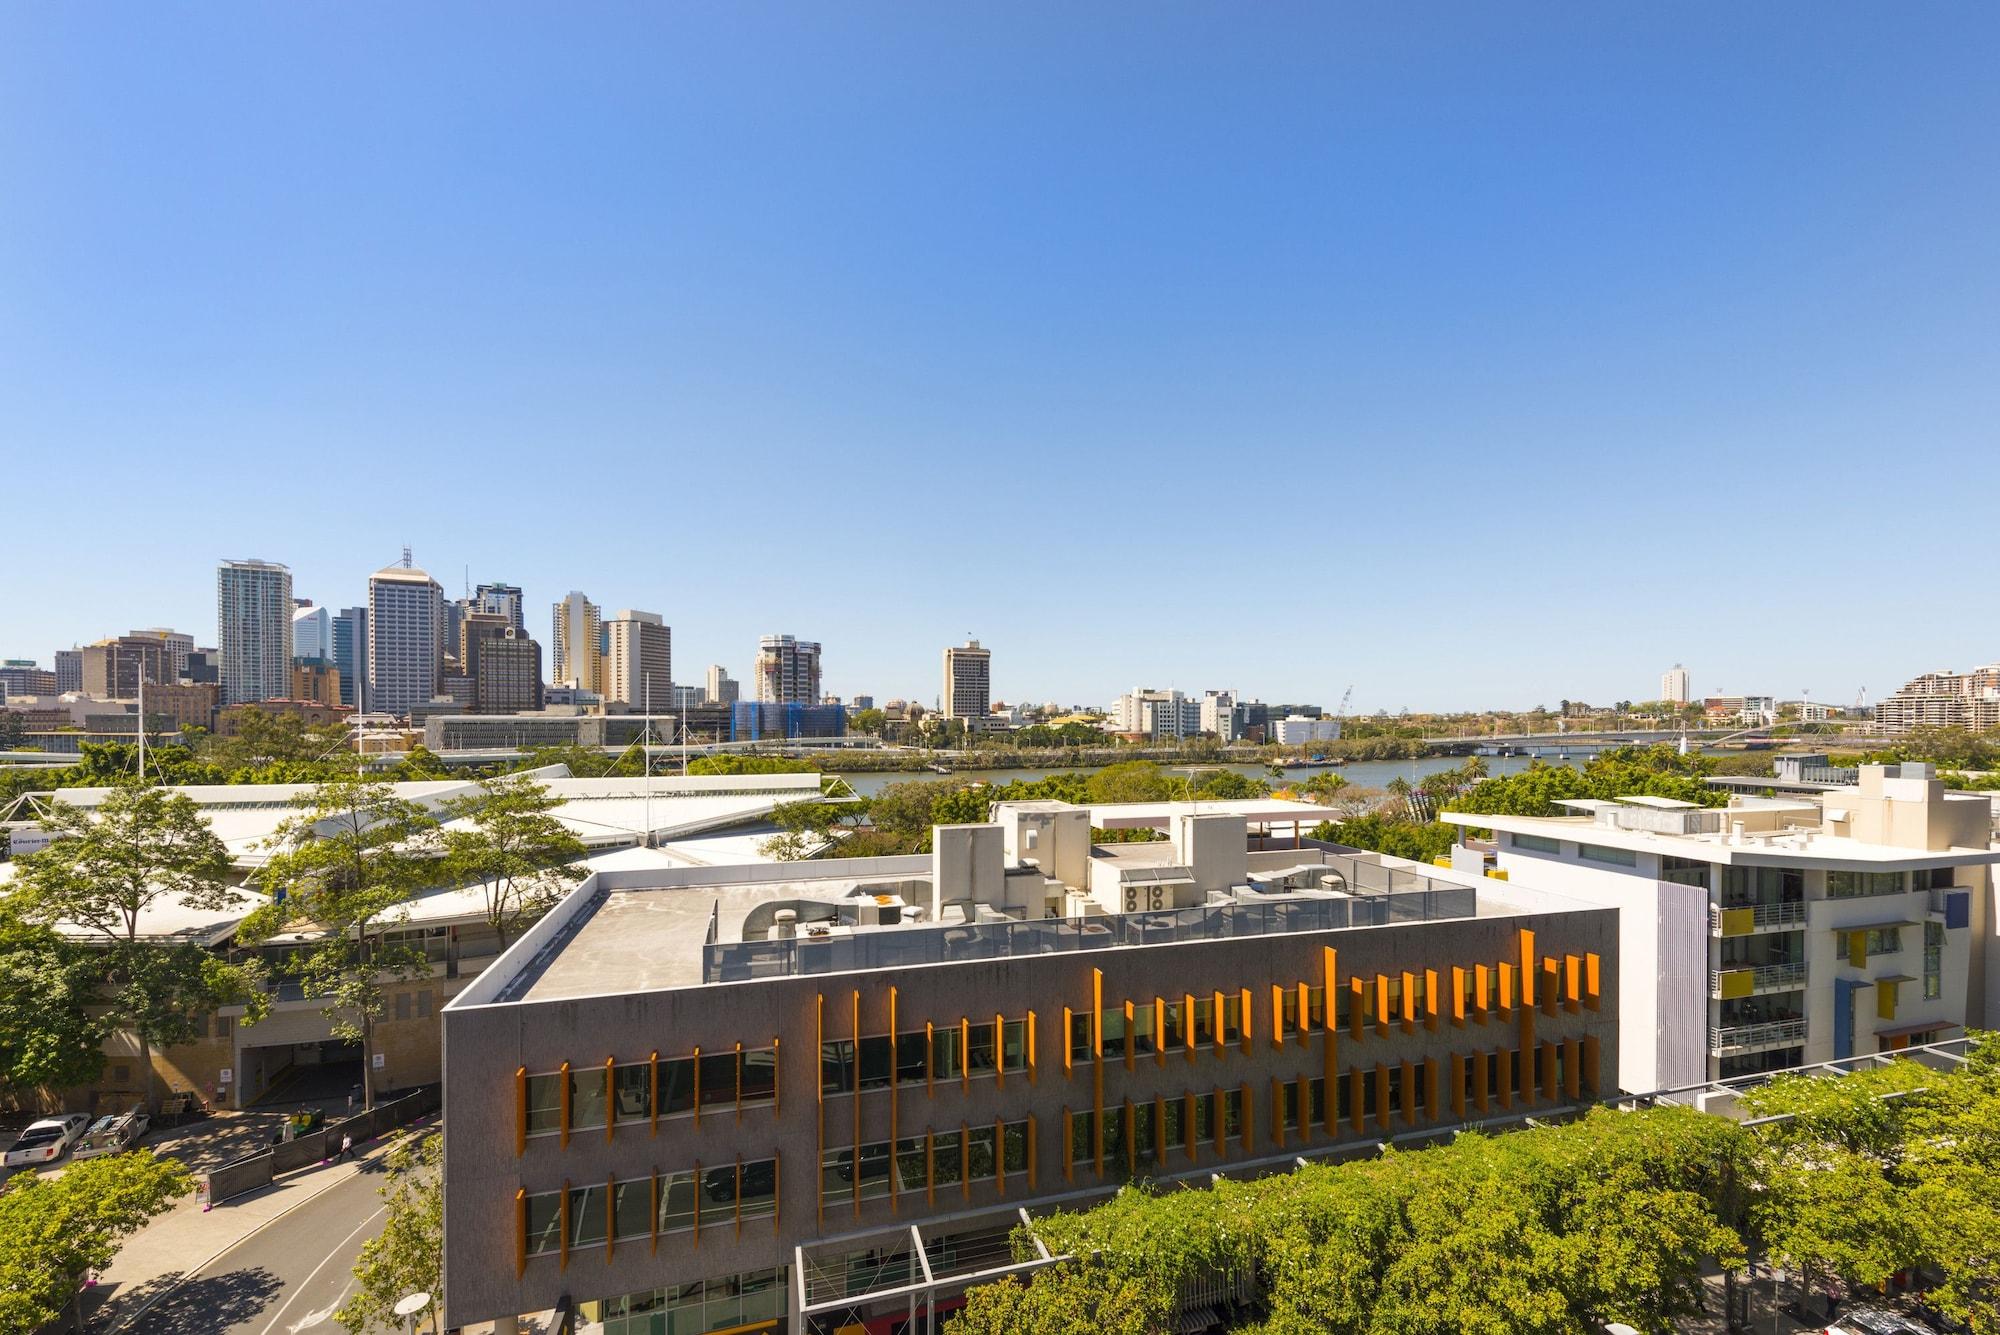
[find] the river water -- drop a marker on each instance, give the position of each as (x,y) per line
(1360,773)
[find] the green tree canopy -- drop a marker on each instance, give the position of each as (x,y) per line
(54,1229)
(407,1256)
(507,841)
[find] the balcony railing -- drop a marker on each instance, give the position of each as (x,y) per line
(1726,1039)
(1762,916)
(1762,977)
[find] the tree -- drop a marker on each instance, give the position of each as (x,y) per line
(51,1031)
(142,847)
(13,729)
(508,842)
(264,738)
(1322,786)
(1129,781)
(55,1229)
(347,864)
(866,720)
(407,1256)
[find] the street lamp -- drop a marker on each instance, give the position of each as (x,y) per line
(407,1308)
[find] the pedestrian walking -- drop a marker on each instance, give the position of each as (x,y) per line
(346,1145)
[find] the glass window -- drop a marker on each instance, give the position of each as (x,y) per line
(1142,1029)
(718,1079)
(1114,1033)
(1014,1144)
(1861,884)
(760,1075)
(1885,940)
(633,1090)
(1232,1112)
(944,1053)
(945,1159)
(677,1085)
(1683,871)
(910,1169)
(586,1097)
(836,1066)
(1145,1136)
(1316,1104)
(718,1195)
(912,1057)
(1933,960)
(979,1154)
(875,1170)
(632,1209)
(1204,1023)
(676,1201)
(1173,1124)
(544,1103)
(1622,857)
(836,1177)
(1079,1138)
(1536,843)
(1204,1117)
(1232,1018)
(760,1188)
(763,1296)
(979,1052)
(544,1223)
(586,1215)
(1112,1135)
(878,1055)
(1079,1036)
(1289,1094)
(1014,1050)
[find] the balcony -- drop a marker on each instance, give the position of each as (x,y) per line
(1742,920)
(1727,1041)
(1747,980)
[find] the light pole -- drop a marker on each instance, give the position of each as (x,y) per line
(407,1308)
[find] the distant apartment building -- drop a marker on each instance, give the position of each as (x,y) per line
(1298,730)
(405,622)
(113,669)
(968,682)
(578,643)
(1943,700)
(688,697)
(507,672)
(821,1097)
(788,671)
(23,676)
(69,670)
(722,688)
(765,720)
(640,664)
(1753,711)
(312,634)
(350,653)
(504,599)
(177,705)
(315,681)
(253,617)
(1157,715)
(1220,716)
(1779,932)
(1675,687)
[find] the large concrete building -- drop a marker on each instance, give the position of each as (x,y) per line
(807,1097)
(350,654)
(23,676)
(578,644)
(788,671)
(1158,715)
(405,652)
(1943,700)
(507,673)
(69,670)
(639,666)
(1675,687)
(504,599)
(180,646)
(1779,932)
(113,669)
(722,689)
(968,682)
(253,619)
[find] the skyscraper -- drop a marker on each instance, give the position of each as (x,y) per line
(312,634)
(179,646)
(1674,687)
(968,681)
(640,666)
(114,669)
(405,618)
(253,618)
(507,672)
(722,688)
(502,598)
(350,654)
(787,671)
(69,670)
(579,633)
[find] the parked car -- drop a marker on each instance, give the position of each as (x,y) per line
(1873,1320)
(45,1141)
(112,1133)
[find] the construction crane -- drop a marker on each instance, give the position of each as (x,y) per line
(1341,713)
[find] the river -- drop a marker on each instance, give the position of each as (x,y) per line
(1360,773)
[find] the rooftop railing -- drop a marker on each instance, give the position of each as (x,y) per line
(904,947)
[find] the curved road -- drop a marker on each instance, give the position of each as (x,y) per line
(285,1279)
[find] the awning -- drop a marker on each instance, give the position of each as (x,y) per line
(1920,1027)
(1874,926)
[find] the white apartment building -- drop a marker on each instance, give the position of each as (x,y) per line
(1674,685)
(579,643)
(1219,715)
(788,670)
(968,681)
(1944,699)
(722,689)
(1157,714)
(1778,932)
(253,618)
(405,629)
(1298,730)
(640,658)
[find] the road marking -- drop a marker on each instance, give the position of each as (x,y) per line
(314,1274)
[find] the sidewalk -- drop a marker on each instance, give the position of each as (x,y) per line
(178,1243)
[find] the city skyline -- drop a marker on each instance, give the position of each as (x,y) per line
(1632,295)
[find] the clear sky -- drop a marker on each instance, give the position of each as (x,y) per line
(1472,354)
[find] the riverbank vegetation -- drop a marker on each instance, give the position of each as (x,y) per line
(1559,1228)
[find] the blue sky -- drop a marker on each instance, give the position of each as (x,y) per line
(1471,354)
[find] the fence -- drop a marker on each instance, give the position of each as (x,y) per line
(257,1170)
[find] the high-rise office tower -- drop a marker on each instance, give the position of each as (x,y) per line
(312,634)
(1674,686)
(579,635)
(69,670)
(405,619)
(507,673)
(350,654)
(722,688)
(639,669)
(114,669)
(787,671)
(502,598)
(968,681)
(253,618)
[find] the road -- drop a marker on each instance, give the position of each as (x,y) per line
(285,1279)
